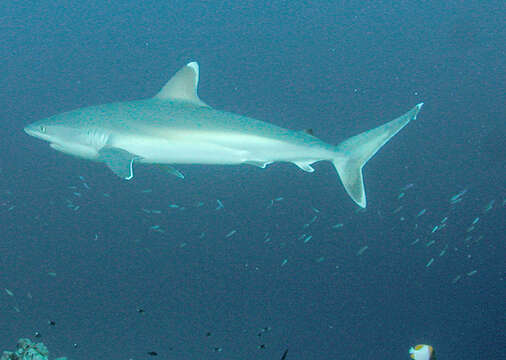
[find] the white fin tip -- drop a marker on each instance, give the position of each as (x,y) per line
(194,65)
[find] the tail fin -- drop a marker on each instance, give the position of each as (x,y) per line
(357,150)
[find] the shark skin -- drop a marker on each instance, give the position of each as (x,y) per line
(176,127)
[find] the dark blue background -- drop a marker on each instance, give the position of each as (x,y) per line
(337,67)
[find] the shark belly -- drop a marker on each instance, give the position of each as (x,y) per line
(76,149)
(216,148)
(162,151)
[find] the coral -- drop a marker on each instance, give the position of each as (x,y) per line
(28,350)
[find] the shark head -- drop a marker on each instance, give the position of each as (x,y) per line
(45,131)
(67,137)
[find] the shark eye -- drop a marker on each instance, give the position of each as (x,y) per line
(42,129)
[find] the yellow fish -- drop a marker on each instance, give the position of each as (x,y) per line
(422,352)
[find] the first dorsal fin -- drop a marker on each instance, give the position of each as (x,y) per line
(183,86)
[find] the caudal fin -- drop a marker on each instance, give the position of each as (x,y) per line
(357,150)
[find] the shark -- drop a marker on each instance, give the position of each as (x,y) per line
(177,127)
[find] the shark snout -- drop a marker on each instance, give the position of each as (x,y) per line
(30,130)
(37,131)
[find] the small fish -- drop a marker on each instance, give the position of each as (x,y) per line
(407,186)
(283,357)
(471,273)
(230,233)
(430,243)
(489,206)
(457,197)
(362,250)
(422,352)
(397,210)
(415,241)
(456,279)
(313,219)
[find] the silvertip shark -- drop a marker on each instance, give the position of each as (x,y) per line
(177,127)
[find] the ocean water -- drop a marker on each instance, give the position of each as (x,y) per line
(236,262)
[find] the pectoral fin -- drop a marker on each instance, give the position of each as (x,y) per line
(119,161)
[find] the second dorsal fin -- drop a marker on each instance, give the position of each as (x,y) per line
(183,86)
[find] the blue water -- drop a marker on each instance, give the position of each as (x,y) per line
(84,249)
